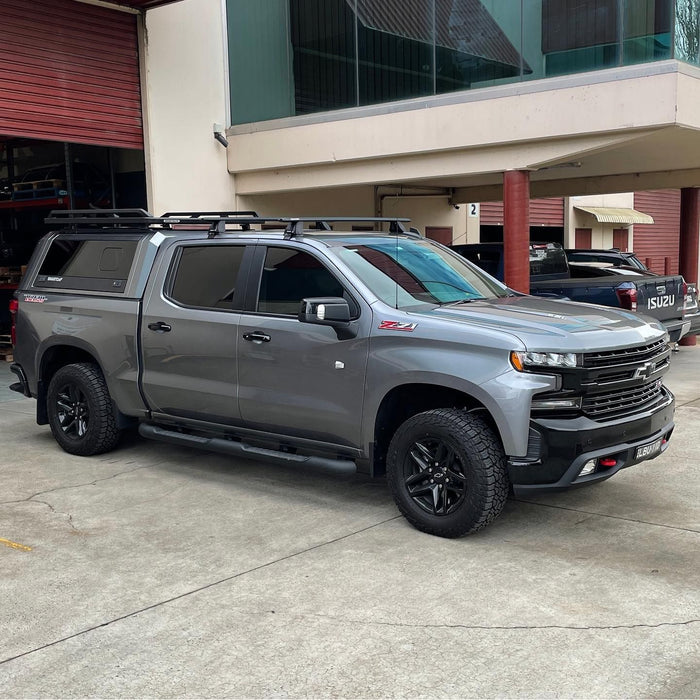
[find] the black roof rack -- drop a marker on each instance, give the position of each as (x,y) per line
(217,220)
(210,214)
(295,225)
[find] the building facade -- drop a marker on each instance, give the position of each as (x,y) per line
(420,107)
(432,109)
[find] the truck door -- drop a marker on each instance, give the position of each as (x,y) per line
(189,330)
(299,378)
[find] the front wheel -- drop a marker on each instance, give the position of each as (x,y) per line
(447,472)
(80,410)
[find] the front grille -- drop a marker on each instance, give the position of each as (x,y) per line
(611,358)
(615,404)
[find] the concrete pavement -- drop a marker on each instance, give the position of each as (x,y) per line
(157,571)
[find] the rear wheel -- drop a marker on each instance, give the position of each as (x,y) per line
(447,472)
(80,410)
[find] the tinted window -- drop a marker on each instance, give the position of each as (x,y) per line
(290,276)
(206,276)
(90,265)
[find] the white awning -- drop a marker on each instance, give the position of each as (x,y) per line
(615,215)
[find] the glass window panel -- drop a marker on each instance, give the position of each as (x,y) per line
(646,30)
(206,276)
(323,40)
(534,58)
(579,35)
(395,49)
(478,43)
(95,259)
(260,60)
(291,275)
(687,31)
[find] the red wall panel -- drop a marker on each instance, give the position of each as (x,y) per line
(69,72)
(543,212)
(659,240)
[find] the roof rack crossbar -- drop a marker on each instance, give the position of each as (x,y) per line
(219,214)
(295,227)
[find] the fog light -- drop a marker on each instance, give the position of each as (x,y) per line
(607,462)
(588,468)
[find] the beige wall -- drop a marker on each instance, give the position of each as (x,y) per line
(345,202)
(601,233)
(184,95)
(350,201)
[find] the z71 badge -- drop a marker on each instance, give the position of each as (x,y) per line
(397,326)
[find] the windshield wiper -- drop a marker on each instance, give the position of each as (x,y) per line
(466,300)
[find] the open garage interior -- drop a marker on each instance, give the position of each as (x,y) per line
(71,132)
(39,176)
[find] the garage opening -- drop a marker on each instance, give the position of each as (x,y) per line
(38,176)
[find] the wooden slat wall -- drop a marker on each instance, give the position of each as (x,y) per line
(660,239)
(69,72)
(543,212)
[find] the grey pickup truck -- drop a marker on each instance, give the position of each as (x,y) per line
(382,351)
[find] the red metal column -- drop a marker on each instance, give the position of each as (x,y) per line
(688,244)
(516,231)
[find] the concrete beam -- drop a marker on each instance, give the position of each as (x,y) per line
(606,184)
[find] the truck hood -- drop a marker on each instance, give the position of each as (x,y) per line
(554,325)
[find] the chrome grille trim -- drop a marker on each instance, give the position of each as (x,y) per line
(616,404)
(611,358)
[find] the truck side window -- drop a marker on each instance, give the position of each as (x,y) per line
(291,275)
(90,265)
(206,276)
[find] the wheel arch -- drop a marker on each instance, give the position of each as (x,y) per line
(60,353)
(406,400)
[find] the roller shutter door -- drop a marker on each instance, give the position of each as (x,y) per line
(659,240)
(543,212)
(69,72)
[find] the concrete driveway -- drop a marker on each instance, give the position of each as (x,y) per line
(164,572)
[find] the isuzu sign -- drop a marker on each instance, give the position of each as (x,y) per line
(662,302)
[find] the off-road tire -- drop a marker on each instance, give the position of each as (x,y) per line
(80,410)
(455,468)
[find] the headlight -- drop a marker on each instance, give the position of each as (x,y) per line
(523,361)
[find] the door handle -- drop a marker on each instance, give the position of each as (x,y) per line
(257,337)
(160,327)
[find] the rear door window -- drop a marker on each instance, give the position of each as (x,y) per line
(206,276)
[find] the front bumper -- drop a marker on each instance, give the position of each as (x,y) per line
(559,448)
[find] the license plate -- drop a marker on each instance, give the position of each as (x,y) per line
(647,451)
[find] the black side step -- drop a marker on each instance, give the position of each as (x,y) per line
(241,449)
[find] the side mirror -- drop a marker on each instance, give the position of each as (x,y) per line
(328,311)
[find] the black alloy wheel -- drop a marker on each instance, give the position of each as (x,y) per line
(434,476)
(81,414)
(73,411)
(447,472)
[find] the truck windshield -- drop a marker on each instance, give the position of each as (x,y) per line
(405,272)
